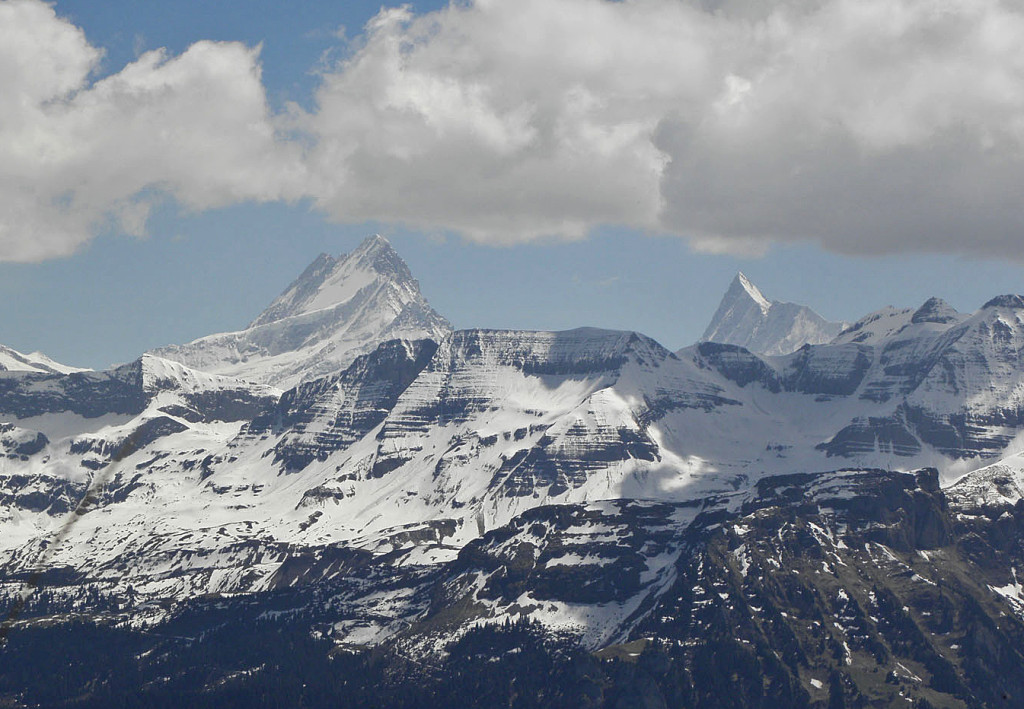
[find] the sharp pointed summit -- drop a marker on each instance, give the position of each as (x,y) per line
(338,308)
(936,310)
(747,318)
(742,285)
(329,281)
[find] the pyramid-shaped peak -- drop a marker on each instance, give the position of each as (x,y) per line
(377,253)
(373,243)
(329,280)
(748,319)
(339,308)
(741,285)
(935,310)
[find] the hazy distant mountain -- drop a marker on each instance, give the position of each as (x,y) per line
(13,361)
(889,321)
(769,327)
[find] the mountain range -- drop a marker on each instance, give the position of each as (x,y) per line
(824,512)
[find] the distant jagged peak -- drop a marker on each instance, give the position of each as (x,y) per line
(747,318)
(936,310)
(377,253)
(742,285)
(330,281)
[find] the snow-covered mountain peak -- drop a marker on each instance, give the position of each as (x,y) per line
(936,310)
(584,349)
(337,309)
(741,285)
(1011,301)
(376,252)
(876,326)
(13,361)
(159,374)
(747,318)
(330,281)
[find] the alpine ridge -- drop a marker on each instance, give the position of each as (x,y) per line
(13,361)
(839,522)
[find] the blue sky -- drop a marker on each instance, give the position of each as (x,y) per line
(491,242)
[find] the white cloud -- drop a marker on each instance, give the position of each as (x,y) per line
(863,125)
(869,126)
(504,121)
(78,155)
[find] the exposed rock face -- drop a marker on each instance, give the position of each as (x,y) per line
(476,429)
(746,318)
(861,587)
(19,443)
(330,414)
(714,510)
(336,310)
(936,310)
(127,390)
(592,569)
(849,588)
(992,488)
(88,394)
(930,379)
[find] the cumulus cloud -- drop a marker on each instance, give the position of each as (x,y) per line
(867,126)
(870,127)
(78,156)
(864,125)
(505,121)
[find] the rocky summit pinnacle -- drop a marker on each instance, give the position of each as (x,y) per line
(338,308)
(747,318)
(741,285)
(935,310)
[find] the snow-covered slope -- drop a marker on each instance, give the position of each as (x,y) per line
(889,321)
(746,318)
(466,434)
(414,449)
(13,361)
(422,446)
(996,485)
(924,387)
(337,309)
